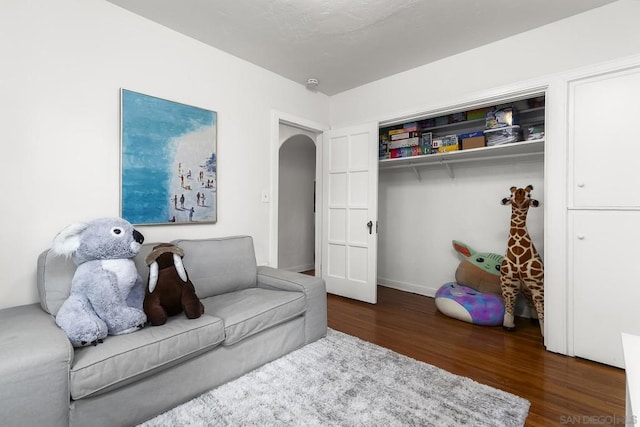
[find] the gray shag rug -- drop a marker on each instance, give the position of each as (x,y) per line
(341,380)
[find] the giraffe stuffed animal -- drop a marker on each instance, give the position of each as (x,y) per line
(522,268)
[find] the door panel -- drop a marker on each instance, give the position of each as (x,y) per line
(358,235)
(349,245)
(605,274)
(338,189)
(602,141)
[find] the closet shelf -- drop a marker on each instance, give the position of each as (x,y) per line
(513,150)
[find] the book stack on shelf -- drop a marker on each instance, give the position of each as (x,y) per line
(404,141)
(477,128)
(417,139)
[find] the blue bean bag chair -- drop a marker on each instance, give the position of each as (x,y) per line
(466,304)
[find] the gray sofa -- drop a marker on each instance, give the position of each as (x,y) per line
(253,315)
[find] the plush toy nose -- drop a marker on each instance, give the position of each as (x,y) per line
(137,236)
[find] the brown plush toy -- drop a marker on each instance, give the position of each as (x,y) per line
(170,291)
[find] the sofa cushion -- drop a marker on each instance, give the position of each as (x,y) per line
(126,358)
(250,311)
(54,280)
(218,266)
(34,368)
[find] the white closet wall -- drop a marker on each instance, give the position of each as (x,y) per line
(419,218)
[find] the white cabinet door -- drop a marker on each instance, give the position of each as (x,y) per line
(350,200)
(606,282)
(604,141)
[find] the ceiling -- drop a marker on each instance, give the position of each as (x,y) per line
(347,43)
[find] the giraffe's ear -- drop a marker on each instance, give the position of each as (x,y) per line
(513,189)
(529,187)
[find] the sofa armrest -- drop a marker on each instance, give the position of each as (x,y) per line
(35,355)
(315,292)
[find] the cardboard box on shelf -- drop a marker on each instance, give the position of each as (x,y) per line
(442,120)
(383,146)
(405,152)
(425,142)
(471,140)
(403,135)
(445,144)
(476,142)
(406,142)
(410,127)
(476,114)
(458,117)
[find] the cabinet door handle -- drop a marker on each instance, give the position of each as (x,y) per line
(581,236)
(370,225)
(581,184)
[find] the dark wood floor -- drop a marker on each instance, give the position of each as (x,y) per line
(561,389)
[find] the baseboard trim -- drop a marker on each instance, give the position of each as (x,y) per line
(299,268)
(522,308)
(407,287)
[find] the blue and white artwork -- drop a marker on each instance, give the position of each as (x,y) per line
(168,161)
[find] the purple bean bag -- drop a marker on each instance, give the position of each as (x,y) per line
(469,305)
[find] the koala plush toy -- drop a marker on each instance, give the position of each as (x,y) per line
(106,290)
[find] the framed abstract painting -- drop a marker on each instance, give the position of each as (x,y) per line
(168,161)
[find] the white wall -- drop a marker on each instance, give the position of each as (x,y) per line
(602,34)
(296,217)
(418,219)
(63,63)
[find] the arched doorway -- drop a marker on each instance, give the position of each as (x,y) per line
(297,203)
(283,127)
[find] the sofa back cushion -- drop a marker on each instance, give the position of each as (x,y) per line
(215,266)
(54,280)
(220,265)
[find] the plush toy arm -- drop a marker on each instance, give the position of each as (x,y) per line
(136,296)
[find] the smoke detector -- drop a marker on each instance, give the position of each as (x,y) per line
(312,83)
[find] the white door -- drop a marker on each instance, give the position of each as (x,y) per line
(605,282)
(605,147)
(604,212)
(350,200)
